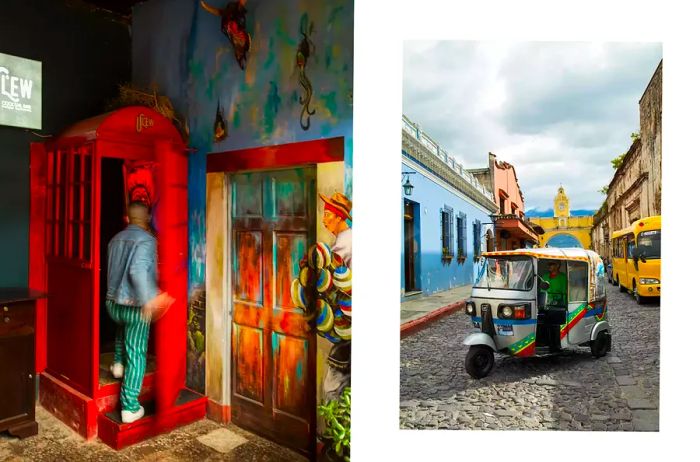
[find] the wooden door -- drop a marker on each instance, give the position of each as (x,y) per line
(273,219)
(70,259)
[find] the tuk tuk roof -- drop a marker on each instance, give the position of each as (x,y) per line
(596,269)
(573,253)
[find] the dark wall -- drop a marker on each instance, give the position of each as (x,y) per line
(85,54)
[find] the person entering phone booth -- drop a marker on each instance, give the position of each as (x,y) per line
(82,182)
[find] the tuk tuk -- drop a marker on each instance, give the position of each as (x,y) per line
(536,301)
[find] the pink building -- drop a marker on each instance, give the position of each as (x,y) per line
(513,231)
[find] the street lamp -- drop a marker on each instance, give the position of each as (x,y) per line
(407,186)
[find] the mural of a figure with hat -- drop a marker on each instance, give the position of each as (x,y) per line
(336,215)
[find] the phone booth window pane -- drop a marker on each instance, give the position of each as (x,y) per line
(88,168)
(578,281)
(86,241)
(75,240)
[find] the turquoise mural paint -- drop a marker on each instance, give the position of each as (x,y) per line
(272,106)
(300,370)
(237,118)
(330,101)
(297,254)
(275,343)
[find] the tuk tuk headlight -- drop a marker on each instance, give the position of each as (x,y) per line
(471,309)
(648,281)
(515,311)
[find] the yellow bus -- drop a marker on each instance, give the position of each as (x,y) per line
(636,258)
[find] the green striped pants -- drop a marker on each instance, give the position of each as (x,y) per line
(132,333)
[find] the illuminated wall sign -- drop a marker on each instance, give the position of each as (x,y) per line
(20,92)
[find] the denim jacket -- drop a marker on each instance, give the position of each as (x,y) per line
(132,262)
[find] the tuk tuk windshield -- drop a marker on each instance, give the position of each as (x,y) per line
(514,273)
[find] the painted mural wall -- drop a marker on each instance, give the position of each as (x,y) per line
(281,73)
(433,273)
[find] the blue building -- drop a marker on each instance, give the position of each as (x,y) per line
(446,217)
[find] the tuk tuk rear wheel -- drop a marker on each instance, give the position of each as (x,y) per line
(479,361)
(601,345)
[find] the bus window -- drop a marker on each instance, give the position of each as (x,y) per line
(630,247)
(649,244)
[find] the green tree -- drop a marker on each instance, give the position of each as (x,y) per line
(604,190)
(634,136)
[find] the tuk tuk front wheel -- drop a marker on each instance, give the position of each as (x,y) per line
(479,361)
(601,345)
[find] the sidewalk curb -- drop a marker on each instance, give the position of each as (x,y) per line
(414,326)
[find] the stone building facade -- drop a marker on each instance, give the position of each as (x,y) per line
(635,190)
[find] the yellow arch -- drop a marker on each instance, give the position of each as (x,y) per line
(578,227)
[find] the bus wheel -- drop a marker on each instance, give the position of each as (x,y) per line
(616,282)
(479,361)
(635,292)
(622,288)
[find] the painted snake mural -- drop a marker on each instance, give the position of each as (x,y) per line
(233,26)
(304,50)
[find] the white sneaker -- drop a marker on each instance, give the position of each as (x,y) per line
(128,416)
(117,370)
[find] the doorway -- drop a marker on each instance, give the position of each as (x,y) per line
(273,351)
(410,247)
(112,221)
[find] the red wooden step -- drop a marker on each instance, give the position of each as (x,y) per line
(189,407)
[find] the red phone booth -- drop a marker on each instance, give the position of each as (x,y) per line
(81,183)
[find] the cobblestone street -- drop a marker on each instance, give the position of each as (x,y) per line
(570,391)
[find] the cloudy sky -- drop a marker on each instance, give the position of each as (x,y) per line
(558,111)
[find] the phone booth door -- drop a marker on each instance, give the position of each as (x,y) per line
(71,271)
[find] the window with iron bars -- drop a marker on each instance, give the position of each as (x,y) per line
(447,223)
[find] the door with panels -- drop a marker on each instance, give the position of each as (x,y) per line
(70,265)
(273,220)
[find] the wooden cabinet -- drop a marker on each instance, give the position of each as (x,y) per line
(17,370)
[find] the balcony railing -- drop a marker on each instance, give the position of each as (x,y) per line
(426,151)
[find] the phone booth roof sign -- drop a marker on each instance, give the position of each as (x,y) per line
(135,122)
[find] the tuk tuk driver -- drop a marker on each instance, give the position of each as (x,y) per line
(557,283)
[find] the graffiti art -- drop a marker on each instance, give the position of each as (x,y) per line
(304,51)
(233,26)
(220,130)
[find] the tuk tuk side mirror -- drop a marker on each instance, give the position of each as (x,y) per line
(544,285)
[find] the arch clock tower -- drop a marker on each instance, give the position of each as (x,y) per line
(561,204)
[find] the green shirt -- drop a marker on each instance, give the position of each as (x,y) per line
(557,288)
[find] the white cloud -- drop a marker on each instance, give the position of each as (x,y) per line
(558,111)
